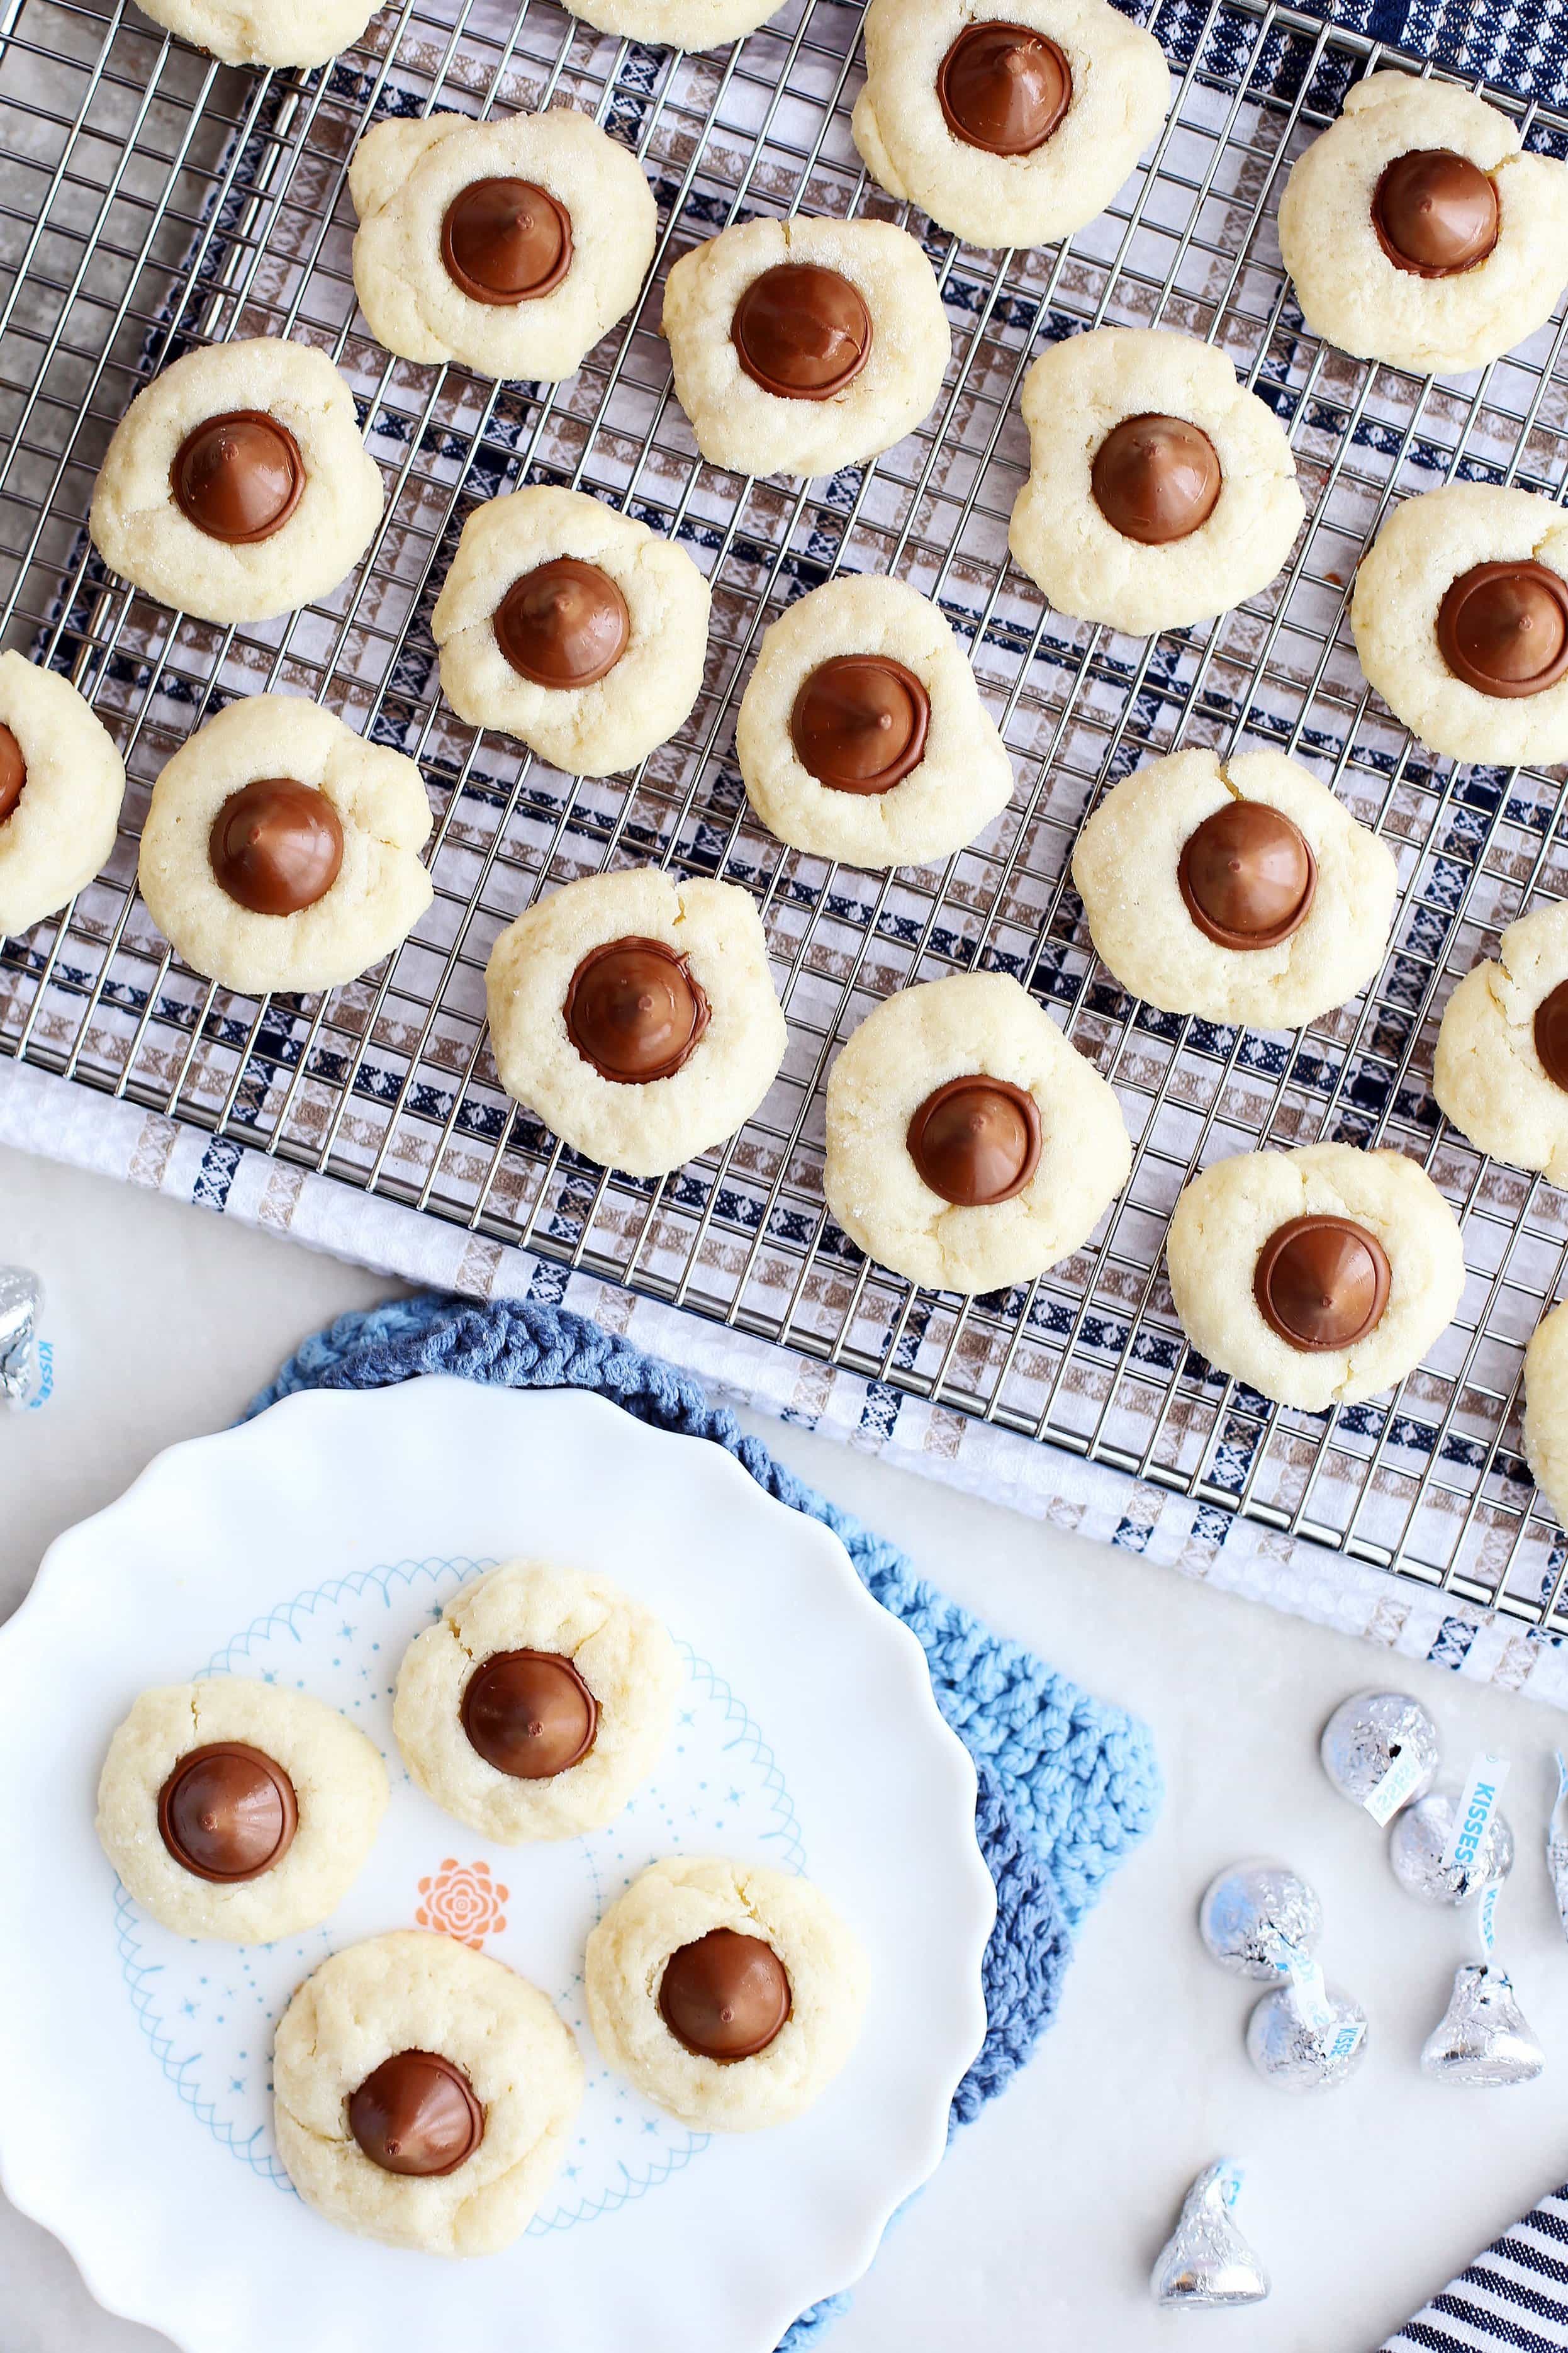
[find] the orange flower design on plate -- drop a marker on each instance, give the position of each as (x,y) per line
(463,1900)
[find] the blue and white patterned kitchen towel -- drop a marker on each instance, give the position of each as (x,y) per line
(1514,2295)
(1068,1784)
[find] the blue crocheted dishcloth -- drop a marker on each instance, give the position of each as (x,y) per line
(1067,1784)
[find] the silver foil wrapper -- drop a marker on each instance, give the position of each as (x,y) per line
(1205,2264)
(1306,2047)
(21,1298)
(1255,1916)
(1483,2037)
(1420,1839)
(1379,1749)
(1557,1842)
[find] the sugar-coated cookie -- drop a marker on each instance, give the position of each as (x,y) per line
(511,247)
(1161,492)
(1317,1276)
(236,486)
(969,1145)
(728,1994)
(682,24)
(1460,617)
(273,33)
(237,1810)
(572,627)
(861,734)
(803,346)
(281,851)
(1239,888)
(1418,233)
(1501,1071)
(61,784)
(637,1016)
(423,2094)
(537,1703)
(1546,1408)
(1007,132)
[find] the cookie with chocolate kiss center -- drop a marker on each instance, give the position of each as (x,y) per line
(1156,479)
(13,772)
(505,241)
(860,722)
(1004,88)
(635,1010)
(1502,628)
(238,477)
(1247,876)
(975,1141)
(529,1714)
(564,624)
(417,2115)
(801,331)
(725,1997)
(1322,1282)
(227,1812)
(1435,213)
(275,846)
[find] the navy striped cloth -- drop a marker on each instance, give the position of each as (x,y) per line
(1516,2294)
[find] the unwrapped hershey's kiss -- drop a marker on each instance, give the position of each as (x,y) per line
(505,241)
(1004,88)
(416,2114)
(1247,876)
(529,1714)
(726,1997)
(13,772)
(564,624)
(1322,1282)
(801,331)
(227,1812)
(238,477)
(858,722)
(275,846)
(1434,213)
(635,1010)
(1551,1034)
(1502,628)
(976,1141)
(1156,479)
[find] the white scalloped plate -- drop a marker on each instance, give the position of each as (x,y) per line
(310,1546)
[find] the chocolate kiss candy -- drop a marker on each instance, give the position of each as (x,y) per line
(1004,88)
(1420,1839)
(1367,1736)
(1253,1916)
(1552,1035)
(21,1301)
(275,846)
(238,477)
(801,331)
(975,1141)
(13,772)
(564,624)
(726,1997)
(227,1812)
(1155,479)
(860,722)
(1302,2052)
(1205,2264)
(416,2114)
(633,1010)
(529,1714)
(505,241)
(1322,1282)
(1502,628)
(1434,213)
(1247,876)
(1482,2037)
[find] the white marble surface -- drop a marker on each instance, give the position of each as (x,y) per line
(1039,2229)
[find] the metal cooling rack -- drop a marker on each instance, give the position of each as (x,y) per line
(151,199)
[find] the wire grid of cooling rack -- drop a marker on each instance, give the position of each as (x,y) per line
(152,200)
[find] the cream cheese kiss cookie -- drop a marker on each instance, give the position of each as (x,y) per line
(537,1703)
(1317,1276)
(1239,890)
(573,627)
(236,486)
(61,784)
(1161,492)
(511,247)
(1418,233)
(1460,617)
(861,733)
(281,851)
(423,2094)
(234,1809)
(728,1994)
(1010,130)
(969,1145)
(1501,1071)
(803,346)
(276,32)
(1546,1408)
(683,24)
(637,1016)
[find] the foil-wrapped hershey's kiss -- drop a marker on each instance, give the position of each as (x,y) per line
(1306,2037)
(1380,1750)
(1205,2264)
(1557,1842)
(1482,2037)
(1419,1841)
(1256,1915)
(21,1302)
